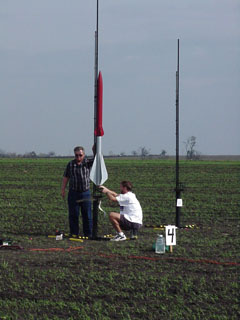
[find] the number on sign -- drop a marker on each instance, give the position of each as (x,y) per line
(170,235)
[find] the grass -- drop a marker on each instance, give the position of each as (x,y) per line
(127,280)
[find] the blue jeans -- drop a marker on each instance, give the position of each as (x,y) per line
(74,208)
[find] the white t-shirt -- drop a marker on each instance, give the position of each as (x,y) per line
(130,207)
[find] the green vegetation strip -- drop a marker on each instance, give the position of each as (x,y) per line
(105,283)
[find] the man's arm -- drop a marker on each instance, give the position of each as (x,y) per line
(94,149)
(91,159)
(110,194)
(64,184)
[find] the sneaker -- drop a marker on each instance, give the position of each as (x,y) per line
(119,237)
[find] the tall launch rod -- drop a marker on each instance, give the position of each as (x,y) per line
(177,119)
(96,74)
(95,195)
(178,185)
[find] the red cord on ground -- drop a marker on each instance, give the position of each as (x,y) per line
(111,256)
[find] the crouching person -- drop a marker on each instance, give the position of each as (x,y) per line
(130,216)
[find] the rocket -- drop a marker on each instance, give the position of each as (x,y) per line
(98,173)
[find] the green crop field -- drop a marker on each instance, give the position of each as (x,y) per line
(99,280)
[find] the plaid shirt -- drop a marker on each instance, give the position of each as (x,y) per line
(78,174)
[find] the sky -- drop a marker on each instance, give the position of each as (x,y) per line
(47,75)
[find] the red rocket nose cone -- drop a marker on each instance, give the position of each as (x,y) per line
(99,129)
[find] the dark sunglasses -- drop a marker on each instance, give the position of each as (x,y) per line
(78,155)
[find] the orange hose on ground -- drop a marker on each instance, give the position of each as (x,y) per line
(56,249)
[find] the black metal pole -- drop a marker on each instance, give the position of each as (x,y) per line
(178,189)
(96,75)
(95,196)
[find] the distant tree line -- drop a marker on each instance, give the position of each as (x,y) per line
(141,152)
(31,154)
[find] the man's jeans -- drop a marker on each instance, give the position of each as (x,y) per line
(73,209)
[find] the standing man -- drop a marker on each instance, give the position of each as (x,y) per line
(77,174)
(130,216)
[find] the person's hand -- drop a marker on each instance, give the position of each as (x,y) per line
(63,193)
(103,189)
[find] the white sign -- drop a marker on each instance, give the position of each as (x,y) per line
(179,203)
(170,232)
(59,237)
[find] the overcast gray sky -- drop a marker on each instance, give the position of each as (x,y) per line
(47,74)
